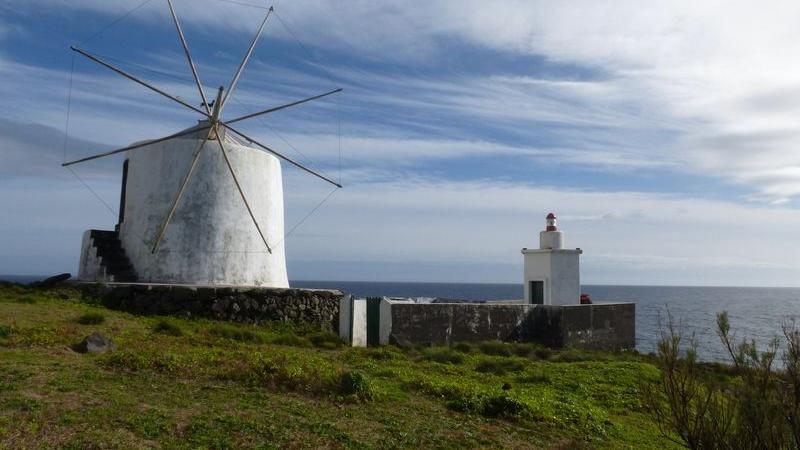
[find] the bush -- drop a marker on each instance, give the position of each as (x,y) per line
(698,409)
(297,374)
(463,347)
(499,366)
(5,331)
(236,334)
(442,355)
(92,318)
(325,340)
(26,298)
(495,348)
(291,340)
(503,405)
(543,353)
(487,405)
(354,384)
(573,355)
(166,327)
(385,354)
(465,402)
(534,378)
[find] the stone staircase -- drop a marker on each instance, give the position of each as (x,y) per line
(112,257)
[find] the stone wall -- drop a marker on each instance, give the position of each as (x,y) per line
(248,305)
(609,326)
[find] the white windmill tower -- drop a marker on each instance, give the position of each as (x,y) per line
(231,215)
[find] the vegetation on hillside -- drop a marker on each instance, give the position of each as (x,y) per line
(176,383)
(751,404)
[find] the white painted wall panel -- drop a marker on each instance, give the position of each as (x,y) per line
(211,239)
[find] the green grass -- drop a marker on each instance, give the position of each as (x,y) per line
(500,366)
(167,327)
(92,318)
(177,383)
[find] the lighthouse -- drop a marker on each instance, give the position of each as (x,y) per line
(551,272)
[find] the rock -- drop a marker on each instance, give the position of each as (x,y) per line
(220,305)
(52,281)
(94,343)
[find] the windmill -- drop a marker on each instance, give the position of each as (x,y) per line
(211,244)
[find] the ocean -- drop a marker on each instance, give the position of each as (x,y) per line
(755,313)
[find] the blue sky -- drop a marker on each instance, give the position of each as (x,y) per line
(665,137)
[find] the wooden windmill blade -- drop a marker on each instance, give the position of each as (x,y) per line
(139,145)
(284,106)
(245,60)
(135,79)
(188,54)
(221,138)
(282,156)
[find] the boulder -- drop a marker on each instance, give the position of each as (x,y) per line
(94,343)
(52,281)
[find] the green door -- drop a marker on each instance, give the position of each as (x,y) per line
(536,290)
(373,321)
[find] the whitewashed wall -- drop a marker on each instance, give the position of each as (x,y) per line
(560,271)
(211,239)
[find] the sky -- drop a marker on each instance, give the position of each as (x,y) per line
(664,135)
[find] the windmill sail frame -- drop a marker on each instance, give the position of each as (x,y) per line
(212,124)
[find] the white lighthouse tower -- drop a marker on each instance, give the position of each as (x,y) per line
(552,273)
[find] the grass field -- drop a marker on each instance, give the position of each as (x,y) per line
(173,383)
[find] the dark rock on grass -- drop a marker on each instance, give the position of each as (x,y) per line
(52,281)
(94,343)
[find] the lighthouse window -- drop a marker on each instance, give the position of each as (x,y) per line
(537,292)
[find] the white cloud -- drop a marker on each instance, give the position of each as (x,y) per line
(627,236)
(723,75)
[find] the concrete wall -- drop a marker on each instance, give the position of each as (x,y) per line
(248,305)
(90,267)
(565,278)
(211,239)
(600,326)
(353,321)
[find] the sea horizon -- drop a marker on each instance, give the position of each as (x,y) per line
(15,278)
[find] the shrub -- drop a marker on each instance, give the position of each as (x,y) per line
(236,334)
(499,366)
(325,340)
(543,353)
(495,348)
(502,405)
(385,354)
(299,375)
(534,378)
(487,405)
(463,347)
(442,355)
(356,385)
(5,331)
(127,360)
(523,350)
(574,355)
(465,402)
(757,410)
(166,327)
(291,339)
(26,298)
(92,318)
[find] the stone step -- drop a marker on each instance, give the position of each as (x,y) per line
(112,256)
